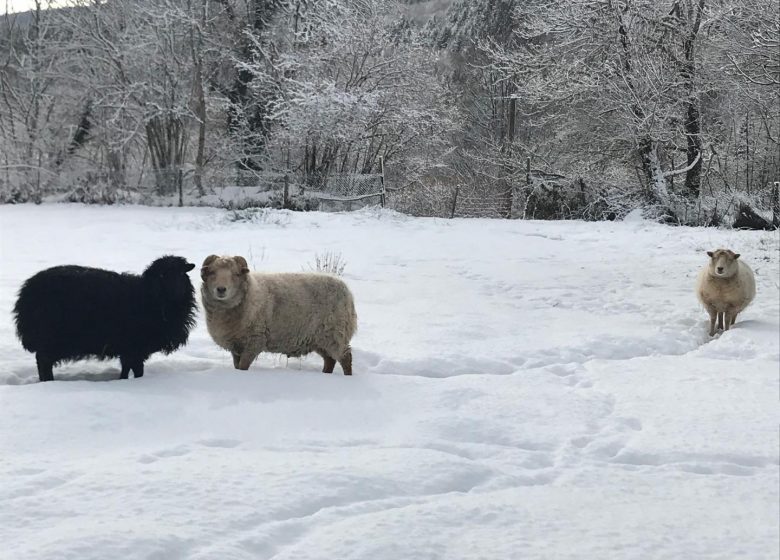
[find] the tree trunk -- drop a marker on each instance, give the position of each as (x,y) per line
(200,112)
(651,165)
(116,168)
(166,136)
(692,121)
(247,115)
(507,196)
(80,135)
(199,96)
(693,135)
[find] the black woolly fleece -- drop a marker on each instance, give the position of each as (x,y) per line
(73,312)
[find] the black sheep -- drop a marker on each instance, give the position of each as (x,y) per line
(69,313)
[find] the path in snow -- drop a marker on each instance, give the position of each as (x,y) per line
(522,390)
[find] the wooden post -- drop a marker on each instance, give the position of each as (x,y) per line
(286,201)
(454,201)
(180,180)
(382,180)
(776,204)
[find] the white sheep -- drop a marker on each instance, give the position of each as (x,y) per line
(293,314)
(725,287)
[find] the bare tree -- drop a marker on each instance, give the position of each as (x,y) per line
(349,88)
(31,122)
(628,71)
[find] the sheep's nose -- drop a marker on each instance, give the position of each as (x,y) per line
(720,270)
(221,290)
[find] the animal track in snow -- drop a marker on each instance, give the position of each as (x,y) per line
(639,458)
(35,483)
(224,443)
(177,451)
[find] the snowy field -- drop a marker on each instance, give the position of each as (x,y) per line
(523,390)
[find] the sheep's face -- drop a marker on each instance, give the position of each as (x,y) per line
(224,278)
(168,276)
(723,263)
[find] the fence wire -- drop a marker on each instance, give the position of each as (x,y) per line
(290,190)
(345,187)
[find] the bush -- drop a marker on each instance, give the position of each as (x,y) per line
(97,189)
(295,202)
(18,195)
(275,201)
(329,263)
(259,216)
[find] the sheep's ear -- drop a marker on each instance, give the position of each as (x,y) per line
(736,255)
(188,267)
(710,253)
(243,267)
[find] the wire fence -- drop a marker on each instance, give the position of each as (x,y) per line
(350,191)
(334,192)
(537,195)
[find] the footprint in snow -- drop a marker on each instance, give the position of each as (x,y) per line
(172,452)
(26,471)
(223,443)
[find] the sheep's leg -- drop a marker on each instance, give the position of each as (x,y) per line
(728,319)
(126,367)
(713,318)
(720,320)
(346,362)
(328,364)
(733,319)
(138,369)
(236,359)
(45,366)
(245,361)
(249,350)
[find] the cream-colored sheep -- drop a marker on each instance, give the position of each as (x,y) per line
(293,314)
(726,286)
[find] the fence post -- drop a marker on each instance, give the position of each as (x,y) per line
(180,181)
(382,179)
(286,195)
(454,201)
(776,204)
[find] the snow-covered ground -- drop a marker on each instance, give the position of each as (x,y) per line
(534,390)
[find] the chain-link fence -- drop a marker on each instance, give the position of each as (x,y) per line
(346,191)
